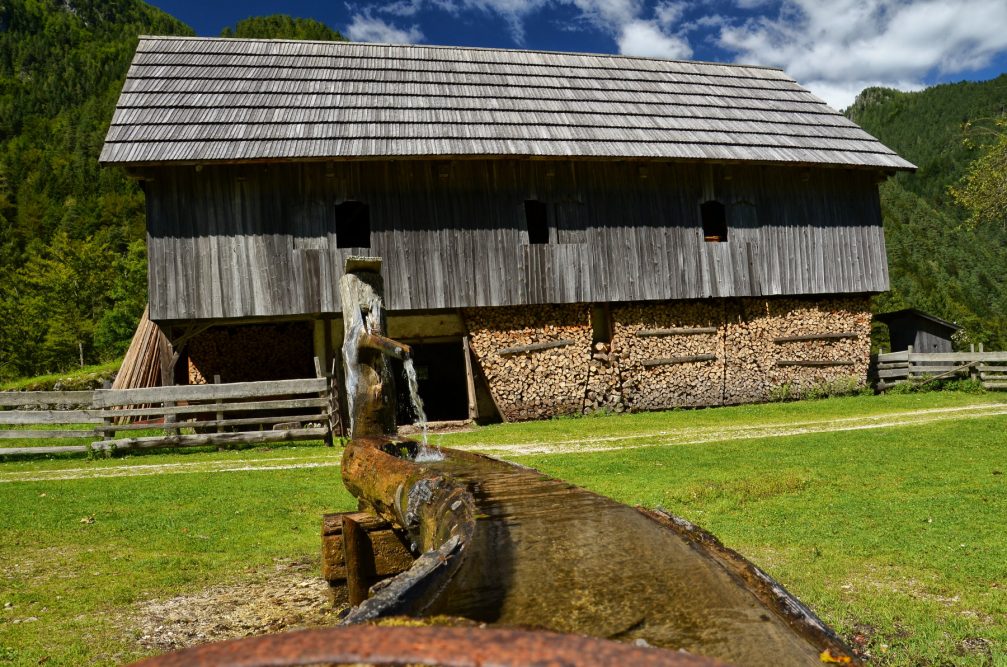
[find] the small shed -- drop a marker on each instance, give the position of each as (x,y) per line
(923,331)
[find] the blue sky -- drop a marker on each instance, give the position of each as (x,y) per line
(834,47)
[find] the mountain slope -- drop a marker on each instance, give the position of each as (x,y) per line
(937,264)
(71,234)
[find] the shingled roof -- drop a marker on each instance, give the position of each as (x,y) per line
(195,100)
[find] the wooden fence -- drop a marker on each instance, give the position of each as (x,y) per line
(187,415)
(893,368)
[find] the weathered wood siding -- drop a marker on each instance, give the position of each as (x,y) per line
(259,240)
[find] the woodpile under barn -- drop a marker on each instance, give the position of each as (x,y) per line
(560,233)
(548,361)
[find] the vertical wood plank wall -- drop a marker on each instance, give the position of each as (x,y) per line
(260,240)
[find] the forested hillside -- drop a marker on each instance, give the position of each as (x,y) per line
(937,263)
(72,251)
(72,254)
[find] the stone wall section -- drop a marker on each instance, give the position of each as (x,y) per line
(536,384)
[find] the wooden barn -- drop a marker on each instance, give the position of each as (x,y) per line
(561,233)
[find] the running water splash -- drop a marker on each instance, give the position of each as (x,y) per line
(426,453)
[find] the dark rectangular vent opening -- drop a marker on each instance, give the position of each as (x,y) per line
(538,221)
(714,217)
(353,225)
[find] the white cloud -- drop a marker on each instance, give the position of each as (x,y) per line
(836,48)
(401,7)
(366,28)
(668,14)
(644,38)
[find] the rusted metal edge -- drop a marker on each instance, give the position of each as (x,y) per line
(767,590)
(447,646)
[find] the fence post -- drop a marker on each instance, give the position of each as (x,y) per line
(327,408)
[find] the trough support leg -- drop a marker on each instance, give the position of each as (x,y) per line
(360,566)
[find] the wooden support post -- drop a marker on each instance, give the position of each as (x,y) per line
(359,556)
(107,433)
(470,381)
(326,394)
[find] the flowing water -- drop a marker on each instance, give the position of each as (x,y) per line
(426,453)
(550,555)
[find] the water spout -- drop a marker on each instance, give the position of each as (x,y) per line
(386,346)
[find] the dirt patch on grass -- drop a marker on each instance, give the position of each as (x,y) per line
(289,596)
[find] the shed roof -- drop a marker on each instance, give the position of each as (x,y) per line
(914,314)
(191,100)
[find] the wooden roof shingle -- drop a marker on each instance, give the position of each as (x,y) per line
(190,100)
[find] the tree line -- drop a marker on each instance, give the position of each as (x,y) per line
(72,234)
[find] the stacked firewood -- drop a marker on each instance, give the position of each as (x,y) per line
(604,386)
(251,352)
(804,364)
(670,354)
(535,358)
(540,361)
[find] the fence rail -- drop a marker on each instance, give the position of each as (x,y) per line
(894,368)
(186,415)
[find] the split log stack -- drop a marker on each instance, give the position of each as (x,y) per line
(251,353)
(670,354)
(539,361)
(535,359)
(812,343)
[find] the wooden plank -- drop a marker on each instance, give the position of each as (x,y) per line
(151,411)
(893,356)
(470,382)
(894,373)
(40,435)
(197,439)
(895,365)
(817,336)
(65,449)
(957,357)
(207,392)
(919,369)
(677,331)
(28,417)
(534,347)
(817,363)
(983,368)
(21,398)
(219,424)
(678,360)
(995,385)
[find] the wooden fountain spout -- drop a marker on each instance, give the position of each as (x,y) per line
(370,386)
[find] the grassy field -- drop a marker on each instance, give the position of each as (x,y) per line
(893,534)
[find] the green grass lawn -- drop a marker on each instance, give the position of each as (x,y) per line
(895,536)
